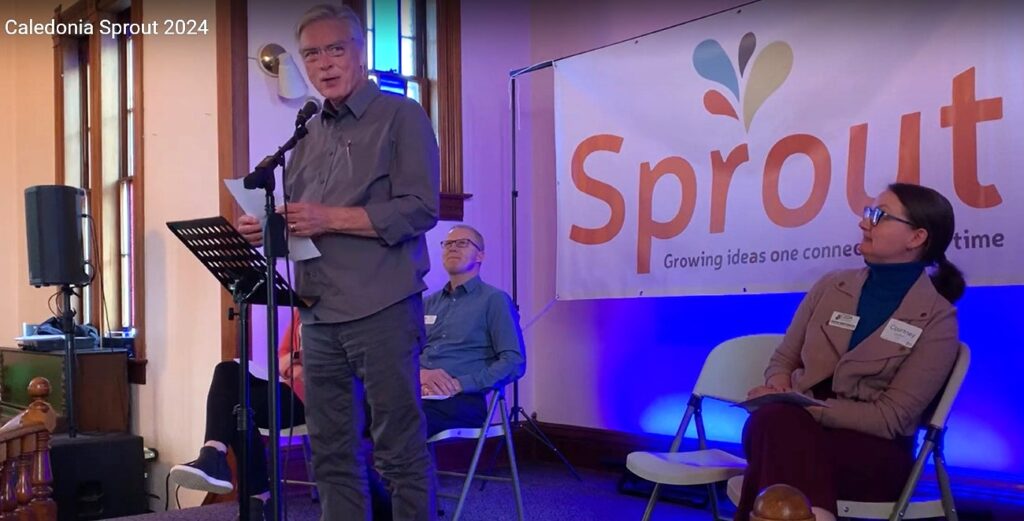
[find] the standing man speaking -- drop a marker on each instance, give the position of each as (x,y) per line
(364,186)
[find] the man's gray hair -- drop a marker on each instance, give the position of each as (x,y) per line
(341,13)
(477,236)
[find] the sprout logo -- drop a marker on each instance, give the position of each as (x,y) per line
(769,71)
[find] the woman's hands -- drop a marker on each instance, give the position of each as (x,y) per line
(290,366)
(778,383)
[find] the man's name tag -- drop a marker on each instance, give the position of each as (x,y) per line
(844,320)
(429,319)
(901,333)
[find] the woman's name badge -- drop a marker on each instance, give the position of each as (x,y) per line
(429,319)
(844,320)
(901,333)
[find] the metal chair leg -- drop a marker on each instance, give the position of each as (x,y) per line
(900,508)
(713,499)
(702,444)
(691,407)
(307,454)
(494,460)
(436,480)
(650,502)
(512,459)
(948,506)
(476,459)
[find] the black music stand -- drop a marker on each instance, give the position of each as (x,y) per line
(241,270)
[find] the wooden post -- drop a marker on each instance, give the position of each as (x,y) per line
(24,488)
(42,505)
(15,479)
(40,478)
(25,476)
(8,500)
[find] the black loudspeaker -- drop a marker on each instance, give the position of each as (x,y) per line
(98,477)
(53,220)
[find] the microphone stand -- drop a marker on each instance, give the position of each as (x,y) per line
(275,246)
(70,375)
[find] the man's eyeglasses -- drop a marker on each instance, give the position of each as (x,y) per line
(334,50)
(459,243)
(874,215)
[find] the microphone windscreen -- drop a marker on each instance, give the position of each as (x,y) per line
(311,107)
(308,110)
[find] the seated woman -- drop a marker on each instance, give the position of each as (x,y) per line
(877,345)
(210,471)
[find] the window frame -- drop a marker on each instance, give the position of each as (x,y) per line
(449,93)
(446,90)
(100,206)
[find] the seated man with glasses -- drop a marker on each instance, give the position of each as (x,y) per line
(877,345)
(474,343)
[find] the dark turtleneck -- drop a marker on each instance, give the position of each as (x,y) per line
(882,293)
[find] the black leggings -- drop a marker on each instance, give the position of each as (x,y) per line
(221,424)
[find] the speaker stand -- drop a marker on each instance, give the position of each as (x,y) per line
(68,326)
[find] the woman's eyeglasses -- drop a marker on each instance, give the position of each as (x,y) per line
(874,215)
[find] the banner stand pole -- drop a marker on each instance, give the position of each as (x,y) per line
(518,416)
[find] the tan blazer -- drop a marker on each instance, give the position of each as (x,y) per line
(883,388)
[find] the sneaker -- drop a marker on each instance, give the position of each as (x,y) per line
(209,472)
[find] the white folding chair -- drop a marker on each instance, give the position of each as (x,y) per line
(302,433)
(487,430)
(935,431)
(730,370)
(904,507)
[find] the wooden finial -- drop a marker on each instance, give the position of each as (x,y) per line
(39,388)
(40,410)
(781,503)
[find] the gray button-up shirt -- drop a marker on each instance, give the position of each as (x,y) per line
(379,152)
(473,334)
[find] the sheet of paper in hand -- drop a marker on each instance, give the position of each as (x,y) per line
(434,397)
(792,397)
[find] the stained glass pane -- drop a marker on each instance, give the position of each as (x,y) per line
(385,38)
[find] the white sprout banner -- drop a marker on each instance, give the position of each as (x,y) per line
(736,153)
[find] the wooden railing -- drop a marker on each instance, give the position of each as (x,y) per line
(26,480)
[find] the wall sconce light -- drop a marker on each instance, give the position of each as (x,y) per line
(275,62)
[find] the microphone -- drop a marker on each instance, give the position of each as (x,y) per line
(311,108)
(263,175)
